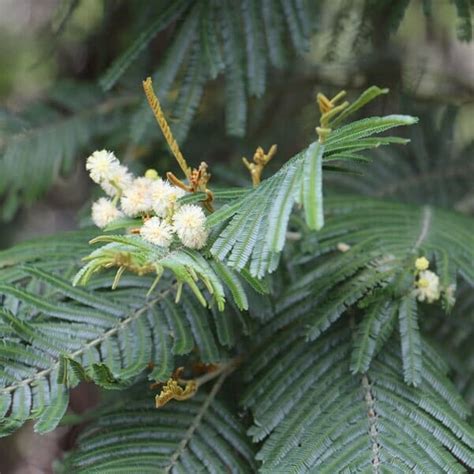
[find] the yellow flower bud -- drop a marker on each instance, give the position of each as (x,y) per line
(151,174)
(422,263)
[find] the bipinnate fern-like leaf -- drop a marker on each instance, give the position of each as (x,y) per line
(54,335)
(188,266)
(372,332)
(197,435)
(453,336)
(429,171)
(256,225)
(219,37)
(169,14)
(410,340)
(61,253)
(364,258)
(313,415)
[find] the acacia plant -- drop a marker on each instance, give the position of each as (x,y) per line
(270,327)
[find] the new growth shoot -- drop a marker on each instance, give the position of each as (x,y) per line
(260,160)
(329,111)
(198,177)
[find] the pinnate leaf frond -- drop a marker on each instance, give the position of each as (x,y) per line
(313,415)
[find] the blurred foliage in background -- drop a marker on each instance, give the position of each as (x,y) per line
(70,83)
(71,74)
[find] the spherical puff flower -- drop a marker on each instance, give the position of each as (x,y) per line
(422,263)
(427,287)
(157,232)
(160,192)
(164,197)
(100,165)
(104,212)
(195,240)
(136,198)
(119,179)
(189,223)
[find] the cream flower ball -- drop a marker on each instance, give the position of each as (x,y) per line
(189,224)
(427,286)
(157,232)
(136,198)
(164,197)
(104,212)
(118,179)
(100,165)
(160,197)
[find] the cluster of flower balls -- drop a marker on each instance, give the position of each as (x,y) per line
(149,197)
(427,284)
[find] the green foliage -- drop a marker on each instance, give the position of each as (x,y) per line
(332,363)
(55,335)
(203,41)
(62,253)
(200,434)
(188,266)
(432,170)
(453,337)
(389,400)
(256,224)
(169,14)
(244,238)
(411,340)
(217,37)
(43,143)
(313,415)
(375,272)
